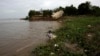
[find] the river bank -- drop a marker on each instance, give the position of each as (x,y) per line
(78,36)
(42,18)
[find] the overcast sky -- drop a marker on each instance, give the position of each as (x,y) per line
(20,8)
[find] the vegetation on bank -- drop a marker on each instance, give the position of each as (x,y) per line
(83,9)
(78,36)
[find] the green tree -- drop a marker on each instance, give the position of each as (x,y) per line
(84,8)
(33,13)
(71,10)
(96,10)
(47,13)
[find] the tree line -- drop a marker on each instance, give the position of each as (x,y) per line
(83,9)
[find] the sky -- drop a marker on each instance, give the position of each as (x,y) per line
(20,8)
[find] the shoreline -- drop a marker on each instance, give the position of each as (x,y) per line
(41,18)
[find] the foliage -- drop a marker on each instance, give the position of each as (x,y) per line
(50,50)
(84,8)
(26,18)
(33,13)
(74,30)
(47,13)
(77,30)
(70,10)
(96,10)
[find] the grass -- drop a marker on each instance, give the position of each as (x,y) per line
(78,36)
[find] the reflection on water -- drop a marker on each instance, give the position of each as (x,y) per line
(17,36)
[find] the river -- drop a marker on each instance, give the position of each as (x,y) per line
(19,37)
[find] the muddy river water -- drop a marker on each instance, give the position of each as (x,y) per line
(19,37)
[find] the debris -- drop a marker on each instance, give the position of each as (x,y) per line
(85,50)
(89,26)
(52,53)
(56,45)
(89,35)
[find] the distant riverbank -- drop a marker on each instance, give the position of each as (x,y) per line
(41,18)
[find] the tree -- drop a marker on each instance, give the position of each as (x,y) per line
(96,10)
(33,13)
(47,13)
(70,10)
(84,8)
